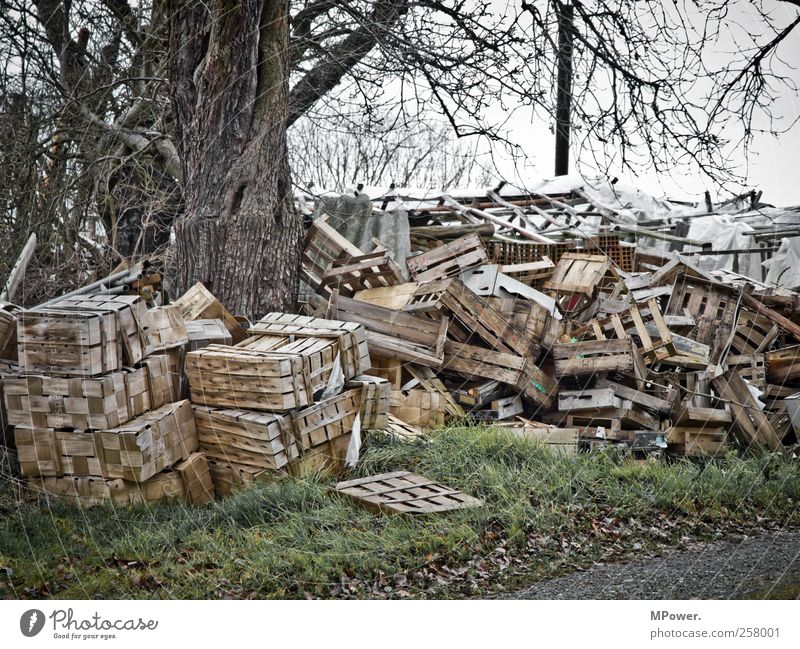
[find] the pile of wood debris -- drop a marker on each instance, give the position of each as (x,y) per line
(111,395)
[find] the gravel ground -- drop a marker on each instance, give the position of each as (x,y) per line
(766,566)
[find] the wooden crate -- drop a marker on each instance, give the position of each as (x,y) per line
(167,327)
(326,420)
(391,297)
(68,343)
(228,477)
(471,315)
(376,395)
(751,367)
(327,459)
(199,304)
(148,444)
(754,333)
(353,274)
(132,320)
(783,365)
(695,441)
(323,246)
(578,273)
(401,431)
(8,330)
(253,441)
(88,491)
(394,334)
(190,481)
(530,272)
(175,358)
(402,492)
(593,357)
(390,369)
(196,479)
(80,404)
(204,332)
(521,252)
(531,318)
(427,379)
(418,407)
(233,377)
(632,323)
(750,424)
(714,308)
(577,400)
(448,260)
(564,440)
(350,336)
(516,371)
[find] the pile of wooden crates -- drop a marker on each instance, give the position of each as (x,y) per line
(112,401)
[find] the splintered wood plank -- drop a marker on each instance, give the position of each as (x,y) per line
(402,492)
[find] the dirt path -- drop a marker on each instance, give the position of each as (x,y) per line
(760,567)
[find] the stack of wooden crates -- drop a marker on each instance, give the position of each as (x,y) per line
(96,404)
(286,400)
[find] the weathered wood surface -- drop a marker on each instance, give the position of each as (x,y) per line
(448,260)
(402,492)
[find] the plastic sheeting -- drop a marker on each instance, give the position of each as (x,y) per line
(724,233)
(783,268)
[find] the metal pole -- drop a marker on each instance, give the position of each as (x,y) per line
(564,89)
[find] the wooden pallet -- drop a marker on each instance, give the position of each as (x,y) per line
(232,377)
(520,373)
(199,304)
(350,336)
(472,315)
(448,260)
(353,274)
(402,492)
(632,323)
(714,308)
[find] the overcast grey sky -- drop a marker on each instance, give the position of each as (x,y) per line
(773,165)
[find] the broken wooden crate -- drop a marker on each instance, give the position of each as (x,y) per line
(472,316)
(518,372)
(402,492)
(199,304)
(448,260)
(354,274)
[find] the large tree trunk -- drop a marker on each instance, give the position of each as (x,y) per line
(240,234)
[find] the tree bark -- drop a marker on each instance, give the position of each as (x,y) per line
(239,234)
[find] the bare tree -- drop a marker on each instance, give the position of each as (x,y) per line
(148,109)
(328,154)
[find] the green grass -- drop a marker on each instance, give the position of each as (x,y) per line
(545,513)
